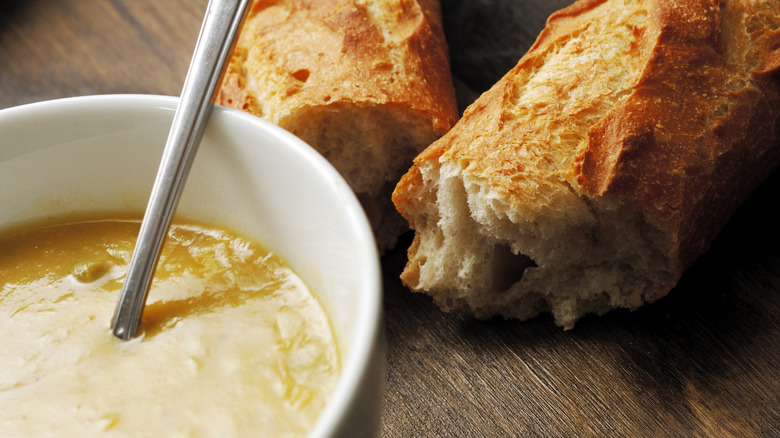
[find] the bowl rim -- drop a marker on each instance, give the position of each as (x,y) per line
(368,338)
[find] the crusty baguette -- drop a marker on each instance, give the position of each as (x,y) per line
(603,164)
(365,82)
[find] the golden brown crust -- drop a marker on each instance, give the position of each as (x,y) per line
(315,52)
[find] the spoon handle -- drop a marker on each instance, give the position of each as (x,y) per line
(220,27)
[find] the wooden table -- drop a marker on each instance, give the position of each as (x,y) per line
(705,361)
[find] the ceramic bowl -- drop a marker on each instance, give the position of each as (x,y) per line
(100,154)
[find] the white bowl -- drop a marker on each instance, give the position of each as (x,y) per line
(100,154)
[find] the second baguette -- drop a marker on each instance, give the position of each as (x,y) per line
(366,83)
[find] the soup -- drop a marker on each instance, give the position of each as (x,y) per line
(231,343)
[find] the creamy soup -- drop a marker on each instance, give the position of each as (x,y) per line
(232,342)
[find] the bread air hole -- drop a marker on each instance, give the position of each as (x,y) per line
(508,267)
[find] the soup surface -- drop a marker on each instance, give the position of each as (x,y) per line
(232,342)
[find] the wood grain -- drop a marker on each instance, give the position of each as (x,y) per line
(705,361)
(53,49)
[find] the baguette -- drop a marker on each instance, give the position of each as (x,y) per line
(365,82)
(594,173)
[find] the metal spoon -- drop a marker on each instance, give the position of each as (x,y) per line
(215,44)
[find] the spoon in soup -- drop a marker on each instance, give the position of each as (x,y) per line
(218,32)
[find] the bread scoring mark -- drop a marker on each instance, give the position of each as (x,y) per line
(569,78)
